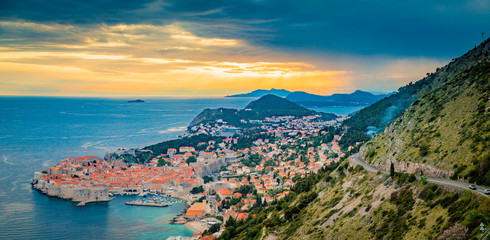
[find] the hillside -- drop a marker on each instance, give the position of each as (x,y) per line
(446,131)
(262,92)
(357,98)
(376,117)
(266,106)
(349,203)
(274,105)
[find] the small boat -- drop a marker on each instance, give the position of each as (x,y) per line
(146,204)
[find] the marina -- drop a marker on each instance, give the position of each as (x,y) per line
(147,204)
(154,201)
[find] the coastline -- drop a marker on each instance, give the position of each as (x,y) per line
(25,211)
(195,226)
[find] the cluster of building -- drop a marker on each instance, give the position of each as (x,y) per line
(279,160)
(289,148)
(218,128)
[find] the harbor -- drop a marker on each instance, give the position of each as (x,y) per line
(147,204)
(153,201)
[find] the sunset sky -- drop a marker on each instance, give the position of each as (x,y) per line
(214,48)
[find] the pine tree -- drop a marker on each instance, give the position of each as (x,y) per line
(392,169)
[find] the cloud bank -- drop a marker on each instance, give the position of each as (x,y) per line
(173,48)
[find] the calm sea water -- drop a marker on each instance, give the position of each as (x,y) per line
(37,132)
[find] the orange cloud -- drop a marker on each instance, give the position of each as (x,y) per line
(155,60)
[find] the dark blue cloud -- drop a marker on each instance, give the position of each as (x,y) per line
(440,29)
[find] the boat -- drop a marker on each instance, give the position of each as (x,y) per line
(148,204)
(155,201)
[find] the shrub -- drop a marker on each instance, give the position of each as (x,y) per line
(457,231)
(197,190)
(412,178)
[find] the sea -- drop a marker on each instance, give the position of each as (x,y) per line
(38,132)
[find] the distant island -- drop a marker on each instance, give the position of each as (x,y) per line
(357,98)
(136,101)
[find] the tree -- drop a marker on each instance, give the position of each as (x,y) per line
(191,159)
(230,222)
(392,170)
(207,179)
(235,201)
(162,162)
(197,190)
(214,228)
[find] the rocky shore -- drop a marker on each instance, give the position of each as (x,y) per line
(82,195)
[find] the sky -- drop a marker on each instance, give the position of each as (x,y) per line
(110,48)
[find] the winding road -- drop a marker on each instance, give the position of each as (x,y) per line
(355,159)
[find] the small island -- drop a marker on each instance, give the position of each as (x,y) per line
(136,101)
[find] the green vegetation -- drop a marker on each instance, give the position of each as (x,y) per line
(162,162)
(272,105)
(377,116)
(161,148)
(442,121)
(249,136)
(191,159)
(207,179)
(348,203)
(196,190)
(214,228)
(448,128)
(246,189)
(266,106)
(253,160)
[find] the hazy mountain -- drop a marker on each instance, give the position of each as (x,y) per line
(274,105)
(357,98)
(262,92)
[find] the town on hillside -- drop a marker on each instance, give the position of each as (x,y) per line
(223,180)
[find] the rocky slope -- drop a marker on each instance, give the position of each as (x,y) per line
(350,203)
(445,133)
(376,117)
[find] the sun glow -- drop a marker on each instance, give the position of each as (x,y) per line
(143,59)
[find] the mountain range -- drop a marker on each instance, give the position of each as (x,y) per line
(357,98)
(263,92)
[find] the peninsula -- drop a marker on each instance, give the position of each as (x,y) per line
(262,150)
